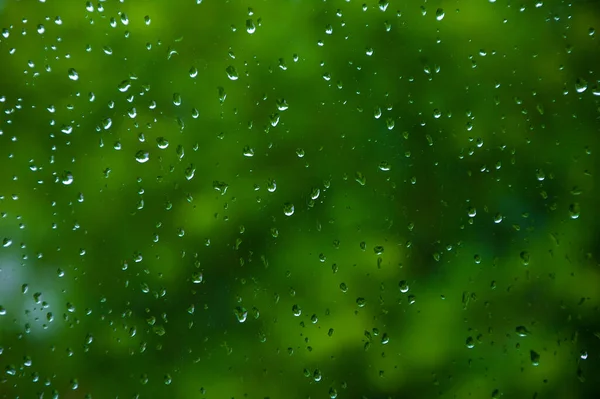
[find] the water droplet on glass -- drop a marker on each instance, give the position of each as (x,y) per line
(470,342)
(162,143)
(142,156)
(524,258)
(574,210)
(384,166)
(471,212)
(250,27)
(197,277)
(177,99)
(241,314)
(288,209)
(522,331)
(282,105)
(360,178)
(314,193)
(248,151)
(581,85)
(73,75)
(439,14)
(403,285)
(296,311)
(67,178)
(232,73)
(106,123)
(124,86)
(220,186)
(535,358)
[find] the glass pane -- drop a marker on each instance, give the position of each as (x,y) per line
(299,199)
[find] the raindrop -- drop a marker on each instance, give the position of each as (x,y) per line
(162,143)
(73,75)
(67,178)
(581,85)
(498,218)
(524,258)
(142,156)
(296,311)
(241,314)
(403,286)
(535,358)
(248,152)
(232,73)
(250,27)
(197,277)
(360,178)
(384,166)
(439,14)
(470,342)
(288,209)
(574,210)
(124,85)
(522,331)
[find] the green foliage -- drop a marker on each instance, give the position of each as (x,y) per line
(299,199)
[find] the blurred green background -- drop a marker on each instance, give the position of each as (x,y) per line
(299,199)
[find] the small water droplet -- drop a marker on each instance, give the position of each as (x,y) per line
(296,310)
(142,156)
(288,209)
(403,285)
(581,85)
(241,314)
(73,75)
(524,258)
(522,331)
(439,14)
(574,210)
(197,277)
(470,342)
(248,151)
(384,166)
(124,85)
(67,178)
(232,73)
(535,358)
(162,143)
(250,27)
